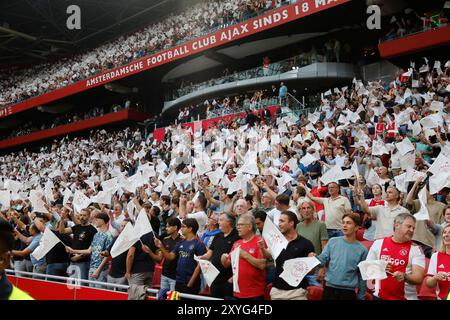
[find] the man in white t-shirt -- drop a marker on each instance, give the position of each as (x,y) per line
(334,207)
(384,215)
(199,213)
(406,261)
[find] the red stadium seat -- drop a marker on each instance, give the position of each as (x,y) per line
(367,243)
(360,234)
(267,292)
(314,293)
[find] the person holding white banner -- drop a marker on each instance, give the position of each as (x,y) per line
(406,261)
(298,247)
(251,278)
(342,255)
(423,234)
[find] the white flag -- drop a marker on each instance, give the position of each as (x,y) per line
(124,241)
(373,178)
(373,269)
(67,194)
(47,242)
(37,202)
(209,271)
(355,168)
(80,201)
(333,175)
(307,159)
(405,146)
(274,238)
(294,270)
(440,165)
(234,256)
(142,225)
(5,199)
(423,212)
(14,186)
(103,197)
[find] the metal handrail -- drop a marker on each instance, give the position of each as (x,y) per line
(76,281)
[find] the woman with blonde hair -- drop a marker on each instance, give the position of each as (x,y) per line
(439,268)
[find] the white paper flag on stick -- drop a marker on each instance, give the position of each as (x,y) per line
(400,182)
(355,168)
(5,199)
(423,212)
(440,165)
(413,175)
(408,161)
(372,178)
(438,182)
(209,271)
(103,197)
(67,194)
(14,186)
(373,269)
(142,225)
(333,175)
(405,146)
(80,201)
(294,270)
(125,241)
(37,202)
(234,256)
(275,240)
(47,242)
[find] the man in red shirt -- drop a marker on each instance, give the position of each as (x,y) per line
(406,261)
(252,265)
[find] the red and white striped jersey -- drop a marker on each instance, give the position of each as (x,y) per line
(402,256)
(440,262)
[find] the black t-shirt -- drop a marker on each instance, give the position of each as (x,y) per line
(19,246)
(155,223)
(142,261)
(58,253)
(298,248)
(219,246)
(82,238)
(170,267)
(118,264)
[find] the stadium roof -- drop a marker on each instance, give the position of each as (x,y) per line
(32,31)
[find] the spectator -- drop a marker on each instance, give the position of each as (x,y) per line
(298,247)
(222,244)
(83,234)
(188,271)
(405,271)
(335,208)
(7,290)
(101,242)
(386,214)
(251,277)
(342,254)
(173,226)
(438,269)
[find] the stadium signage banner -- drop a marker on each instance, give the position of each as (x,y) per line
(267,21)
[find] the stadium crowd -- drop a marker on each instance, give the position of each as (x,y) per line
(202,18)
(363,178)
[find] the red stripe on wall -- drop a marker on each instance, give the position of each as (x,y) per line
(414,43)
(75,127)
